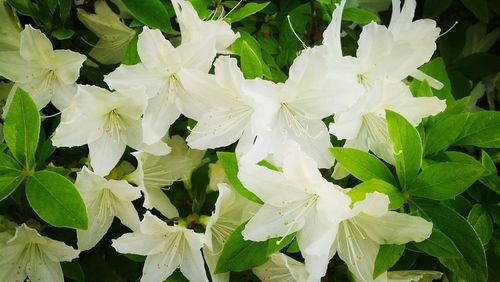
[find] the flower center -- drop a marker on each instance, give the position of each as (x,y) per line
(114,125)
(174,88)
(290,115)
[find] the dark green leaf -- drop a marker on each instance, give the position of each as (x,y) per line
(131,56)
(64,9)
(199,181)
(439,245)
(479,8)
(443,133)
(491,180)
(359,16)
(25,7)
(11,175)
(478,65)
(472,267)
(73,270)
(358,193)
(433,8)
(443,181)
(56,200)
(481,129)
(362,165)
(481,222)
(407,147)
(22,128)
(152,13)
(230,165)
(387,256)
(245,11)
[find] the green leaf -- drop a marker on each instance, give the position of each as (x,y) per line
(433,8)
(481,222)
(472,267)
(73,270)
(479,8)
(56,200)
(364,166)
(251,65)
(387,256)
(481,130)
(25,7)
(230,165)
(437,69)
(63,33)
(152,13)
(64,9)
(245,11)
(443,132)
(358,193)
(423,90)
(199,181)
(22,128)
(439,245)
(11,175)
(478,65)
(490,180)
(443,181)
(407,147)
(289,44)
(359,16)
(131,56)
(239,255)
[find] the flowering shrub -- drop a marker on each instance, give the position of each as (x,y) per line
(242,141)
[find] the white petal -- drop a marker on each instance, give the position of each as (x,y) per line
(211,260)
(76,129)
(299,167)
(331,36)
(158,117)
(105,154)
(139,244)
(100,219)
(127,214)
(192,265)
(35,46)
(15,68)
(151,224)
(160,266)
(154,50)
(126,76)
(67,65)
(155,198)
(63,95)
(41,268)
(198,55)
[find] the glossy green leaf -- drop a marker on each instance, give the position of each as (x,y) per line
(439,245)
(387,256)
(436,68)
(364,166)
(56,200)
(490,179)
(230,165)
(481,129)
(11,175)
(131,56)
(481,222)
(472,267)
(443,181)
(22,128)
(407,147)
(443,133)
(359,16)
(248,9)
(251,65)
(63,33)
(358,193)
(152,13)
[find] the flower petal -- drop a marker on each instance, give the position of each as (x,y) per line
(105,153)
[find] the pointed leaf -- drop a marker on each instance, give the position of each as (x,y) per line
(152,13)
(11,175)
(387,256)
(481,129)
(443,133)
(56,200)
(439,245)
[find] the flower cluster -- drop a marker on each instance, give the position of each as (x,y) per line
(281,123)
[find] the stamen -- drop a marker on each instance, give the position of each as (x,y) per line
(234,8)
(114,126)
(289,115)
(449,29)
(294,33)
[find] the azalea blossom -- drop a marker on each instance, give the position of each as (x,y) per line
(48,75)
(231,210)
(153,173)
(281,268)
(28,254)
(166,247)
(300,200)
(114,35)
(104,200)
(370,225)
(107,122)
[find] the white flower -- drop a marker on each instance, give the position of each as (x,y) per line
(107,122)
(114,35)
(281,268)
(158,73)
(104,200)
(364,125)
(370,225)
(28,254)
(231,210)
(310,94)
(298,200)
(10,30)
(47,74)
(225,113)
(166,247)
(195,30)
(156,172)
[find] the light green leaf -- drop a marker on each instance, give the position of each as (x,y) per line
(152,13)
(251,65)
(364,166)
(437,69)
(481,130)
(230,165)
(439,245)
(22,128)
(481,222)
(387,256)
(358,193)
(443,181)
(443,132)
(359,16)
(407,147)
(131,56)
(491,180)
(472,267)
(56,200)
(63,33)
(248,9)
(11,175)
